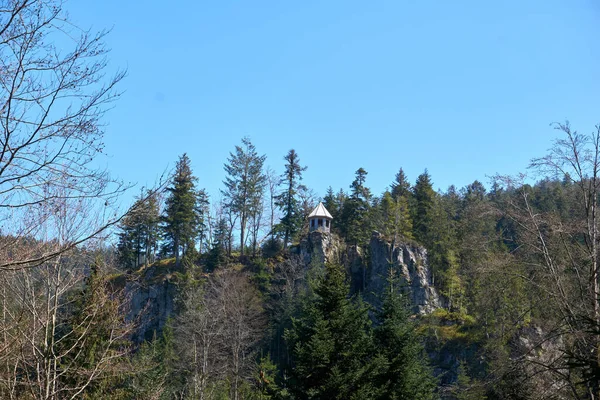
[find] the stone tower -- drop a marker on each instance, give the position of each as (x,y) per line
(319,219)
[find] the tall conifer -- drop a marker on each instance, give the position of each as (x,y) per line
(422,215)
(287,200)
(181,219)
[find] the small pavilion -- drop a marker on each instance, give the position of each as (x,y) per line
(319,219)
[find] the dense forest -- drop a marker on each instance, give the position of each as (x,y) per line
(184,295)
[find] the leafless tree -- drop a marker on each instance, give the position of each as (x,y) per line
(54,91)
(308,201)
(256,222)
(217,333)
(47,328)
(273,182)
(562,257)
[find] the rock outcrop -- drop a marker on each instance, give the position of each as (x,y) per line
(409,262)
(369,268)
(319,248)
(152,297)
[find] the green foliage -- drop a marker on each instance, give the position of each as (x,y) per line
(467,388)
(271,247)
(139,233)
(331,342)
(266,376)
(96,329)
(182,221)
(217,256)
(331,203)
(244,187)
(153,375)
(287,200)
(405,374)
(354,223)
(423,212)
(447,326)
(338,355)
(391,217)
(401,186)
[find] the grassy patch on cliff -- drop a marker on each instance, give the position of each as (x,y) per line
(445,326)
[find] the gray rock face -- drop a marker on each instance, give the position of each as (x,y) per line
(409,263)
(152,302)
(318,248)
(368,268)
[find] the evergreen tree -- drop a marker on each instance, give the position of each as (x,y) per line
(287,201)
(424,199)
(393,218)
(139,233)
(354,223)
(153,374)
(217,255)
(401,185)
(332,344)
(181,219)
(244,185)
(330,203)
(203,213)
(359,190)
(405,373)
(94,327)
(334,203)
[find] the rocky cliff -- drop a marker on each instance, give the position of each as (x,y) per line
(369,267)
(409,263)
(152,295)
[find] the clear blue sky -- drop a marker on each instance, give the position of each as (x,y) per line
(465,88)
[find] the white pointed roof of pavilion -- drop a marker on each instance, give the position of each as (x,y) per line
(320,211)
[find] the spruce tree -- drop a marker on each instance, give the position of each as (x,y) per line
(181,219)
(217,255)
(287,200)
(354,223)
(330,202)
(405,373)
(401,185)
(393,217)
(138,232)
(203,213)
(332,344)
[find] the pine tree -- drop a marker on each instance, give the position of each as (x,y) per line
(181,219)
(287,201)
(244,186)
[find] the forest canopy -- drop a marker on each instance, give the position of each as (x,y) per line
(465,293)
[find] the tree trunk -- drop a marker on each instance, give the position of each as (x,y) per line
(176,251)
(242,233)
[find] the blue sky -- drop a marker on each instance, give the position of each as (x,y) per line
(466,89)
